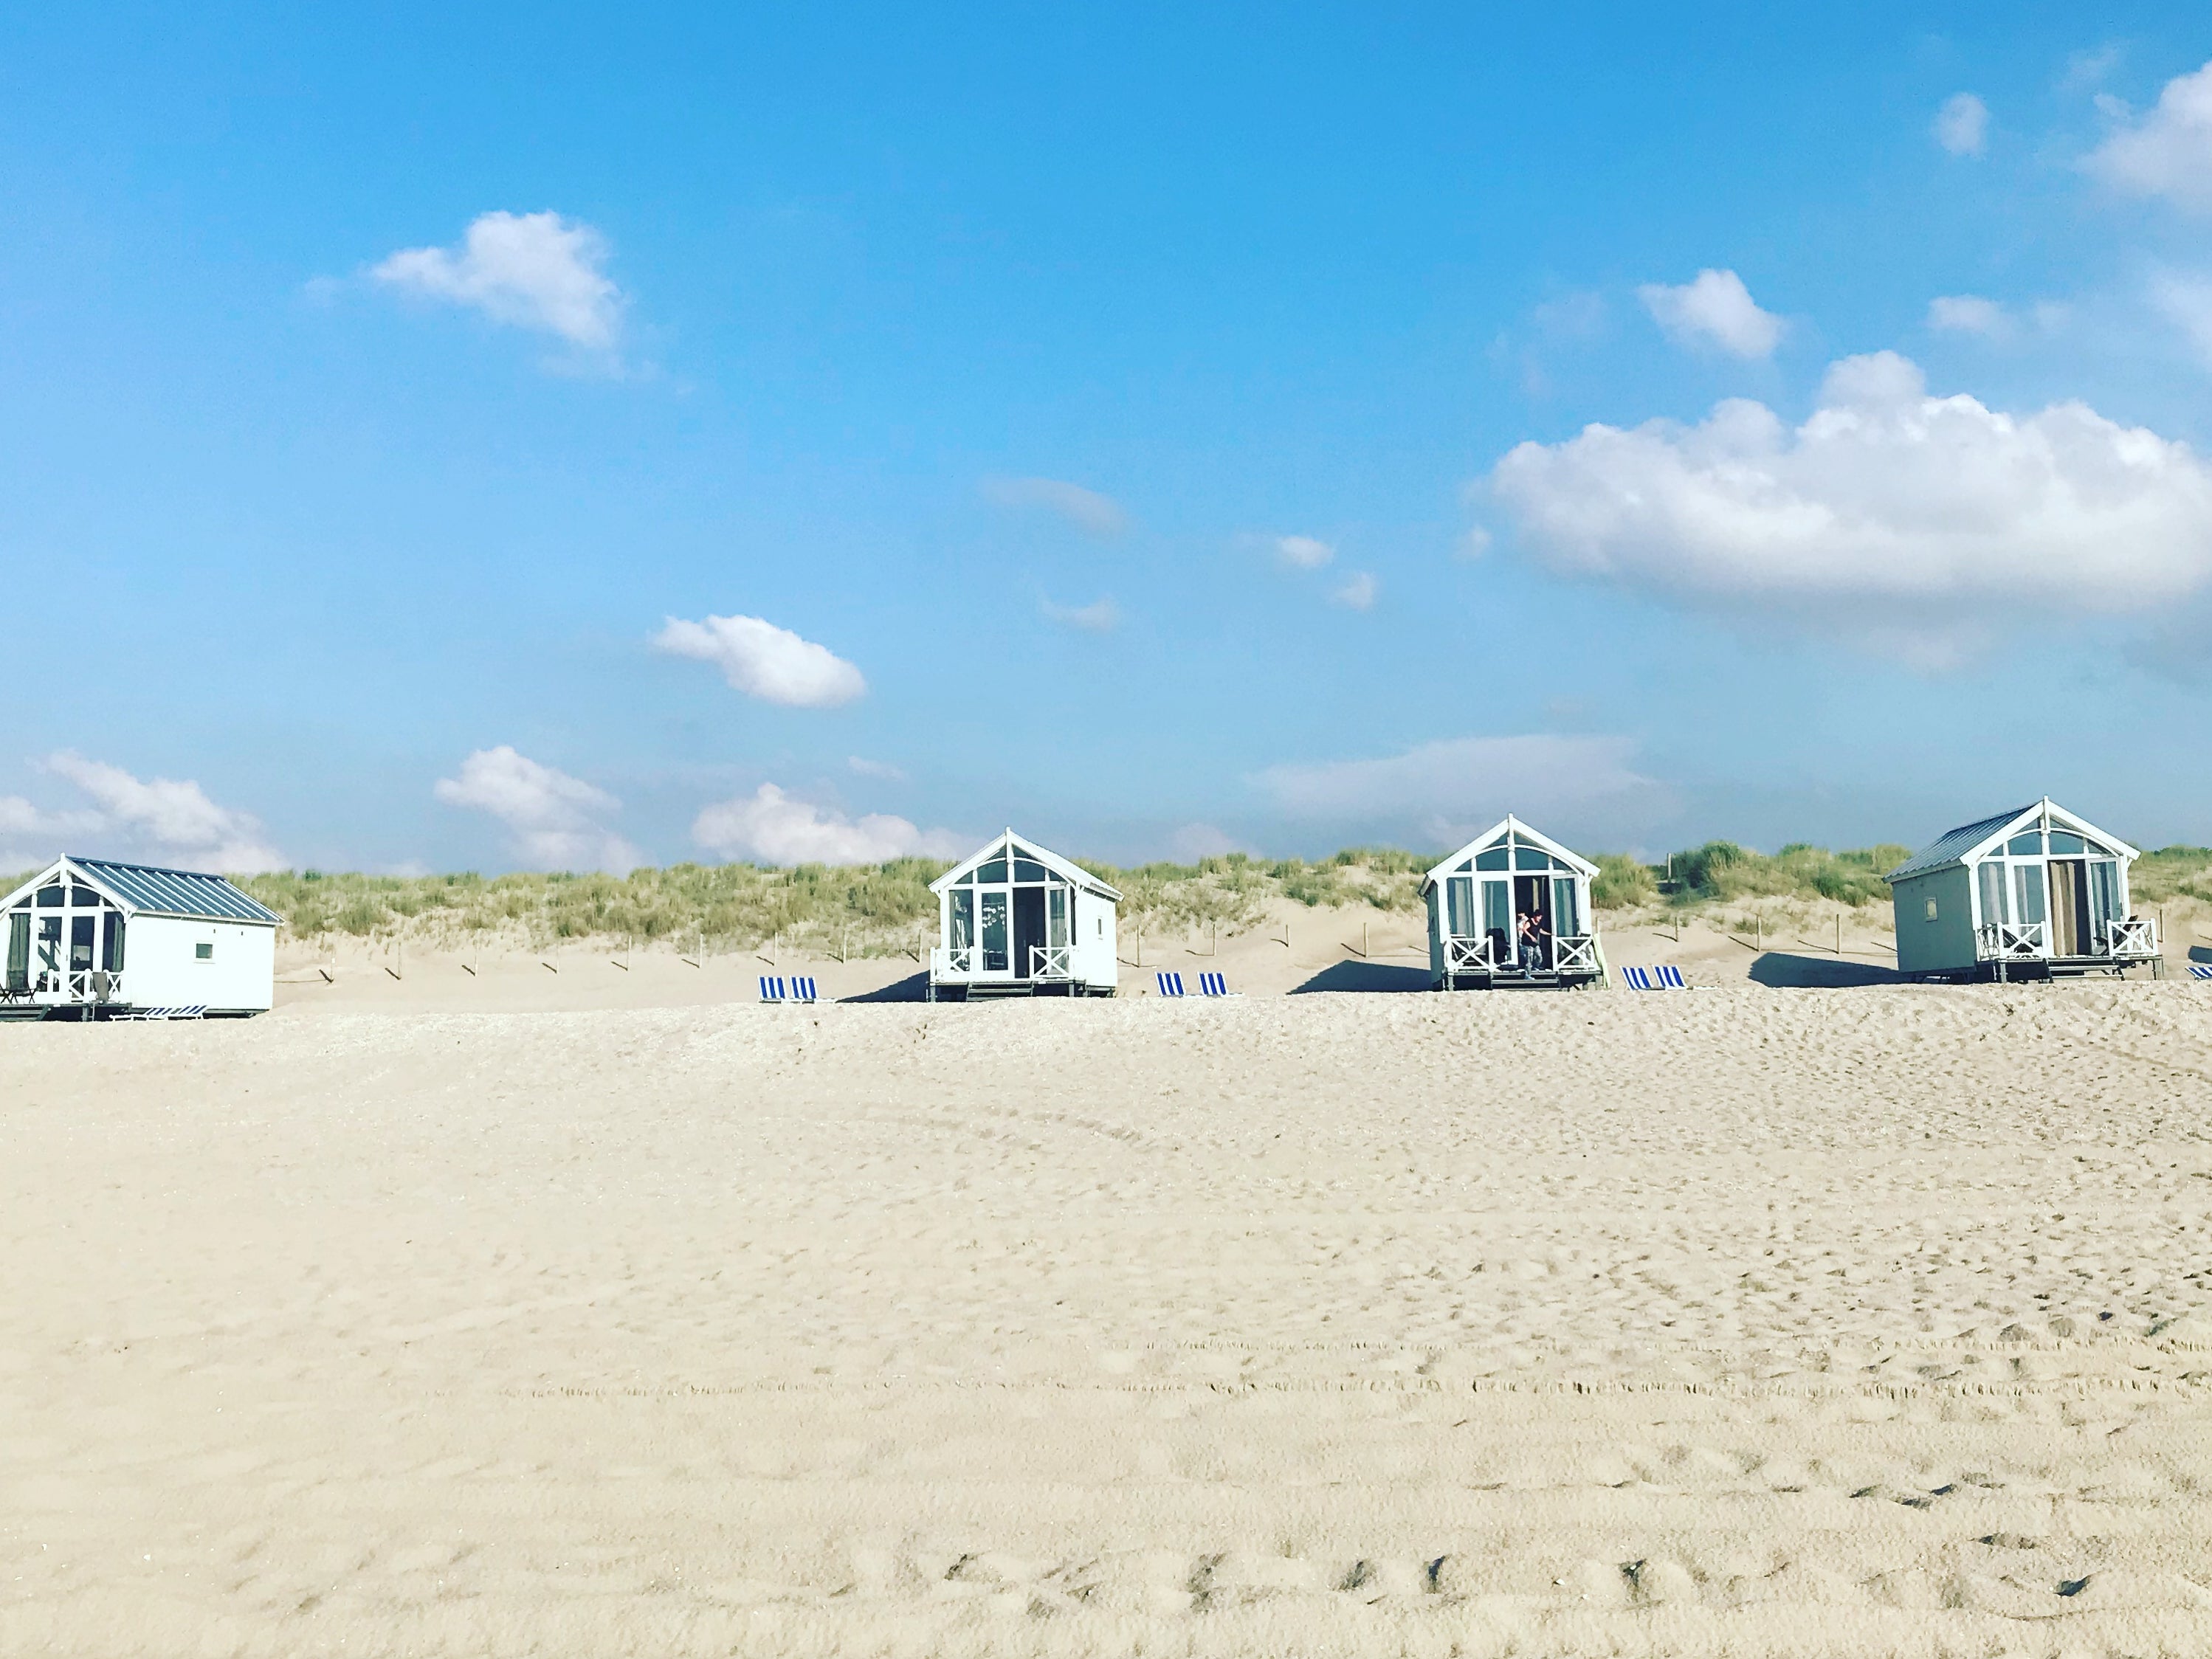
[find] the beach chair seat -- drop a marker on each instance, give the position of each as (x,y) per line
(1670,976)
(2200,970)
(1213,985)
(802,988)
(771,989)
(1171,984)
(197,1011)
(1636,979)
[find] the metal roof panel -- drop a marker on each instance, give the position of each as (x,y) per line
(194,893)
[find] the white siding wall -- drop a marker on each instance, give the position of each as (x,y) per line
(160,970)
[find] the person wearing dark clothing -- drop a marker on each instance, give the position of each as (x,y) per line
(1532,946)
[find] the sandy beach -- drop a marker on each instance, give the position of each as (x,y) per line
(1744,1320)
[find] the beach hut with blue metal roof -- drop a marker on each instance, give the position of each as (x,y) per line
(2034,893)
(94,938)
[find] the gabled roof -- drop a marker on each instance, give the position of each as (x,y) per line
(1521,835)
(1970,841)
(1025,847)
(149,889)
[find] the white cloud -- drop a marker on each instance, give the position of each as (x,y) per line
(874,768)
(556,820)
(535,270)
(1962,125)
(1099,616)
(2186,303)
(1888,513)
(765,661)
(1304,552)
(1086,509)
(1358,593)
(1714,308)
(2085,69)
(172,817)
(1969,313)
(1461,783)
(1474,544)
(2168,153)
(769,826)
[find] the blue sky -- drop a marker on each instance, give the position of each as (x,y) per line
(548,437)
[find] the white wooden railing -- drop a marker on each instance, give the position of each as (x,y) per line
(1052,962)
(2135,937)
(1571,952)
(2013,939)
(1469,954)
(952,961)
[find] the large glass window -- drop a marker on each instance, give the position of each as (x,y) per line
(996,953)
(84,898)
(1497,909)
(994,871)
(2105,893)
(111,945)
(1493,857)
(1460,893)
(964,918)
(1028,870)
(49,898)
(2025,846)
(2027,892)
(1056,904)
(1566,914)
(1530,858)
(19,951)
(2065,840)
(82,930)
(1993,893)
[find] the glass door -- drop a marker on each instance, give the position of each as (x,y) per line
(992,908)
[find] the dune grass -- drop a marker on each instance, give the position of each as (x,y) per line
(881,909)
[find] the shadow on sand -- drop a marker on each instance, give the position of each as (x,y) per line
(1819,973)
(915,987)
(1365,977)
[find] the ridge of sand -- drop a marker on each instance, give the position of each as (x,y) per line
(1741,1322)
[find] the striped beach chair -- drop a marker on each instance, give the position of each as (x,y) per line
(1668,975)
(1213,985)
(1171,984)
(197,1011)
(802,988)
(2200,970)
(1635,979)
(771,989)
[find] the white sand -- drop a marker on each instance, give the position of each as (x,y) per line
(1738,1321)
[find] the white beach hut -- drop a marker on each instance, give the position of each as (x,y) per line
(94,938)
(2033,893)
(1014,920)
(1478,896)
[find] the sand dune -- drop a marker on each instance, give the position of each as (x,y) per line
(1738,1321)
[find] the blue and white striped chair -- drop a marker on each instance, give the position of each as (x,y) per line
(802,988)
(1213,985)
(1171,984)
(771,989)
(1636,979)
(2200,970)
(1668,975)
(197,1011)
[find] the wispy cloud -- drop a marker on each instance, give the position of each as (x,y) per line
(1101,615)
(171,818)
(765,661)
(1358,593)
(1304,552)
(1969,313)
(874,768)
(556,822)
(2167,152)
(1086,509)
(1962,125)
(1458,783)
(533,270)
(771,827)
(1713,308)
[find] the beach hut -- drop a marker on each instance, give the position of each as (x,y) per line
(2029,894)
(94,938)
(1477,897)
(1014,920)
